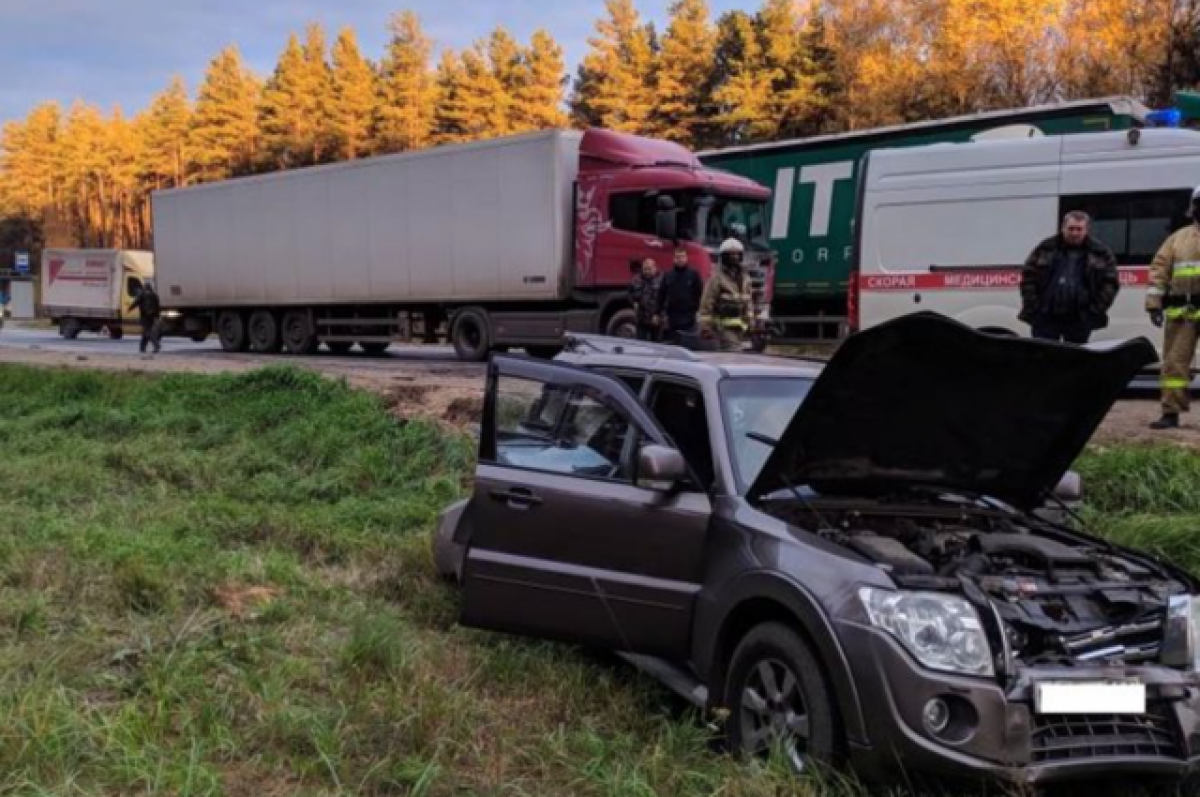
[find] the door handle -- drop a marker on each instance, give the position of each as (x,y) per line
(517,498)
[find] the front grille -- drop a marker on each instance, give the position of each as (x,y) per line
(1077,737)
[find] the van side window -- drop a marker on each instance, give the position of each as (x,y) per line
(1134,225)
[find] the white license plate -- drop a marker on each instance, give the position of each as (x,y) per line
(1090,697)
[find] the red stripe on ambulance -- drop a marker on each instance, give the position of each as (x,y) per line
(973,280)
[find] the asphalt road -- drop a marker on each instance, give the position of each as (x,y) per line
(406,358)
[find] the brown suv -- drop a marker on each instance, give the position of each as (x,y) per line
(845,558)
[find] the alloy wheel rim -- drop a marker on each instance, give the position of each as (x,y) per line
(773,715)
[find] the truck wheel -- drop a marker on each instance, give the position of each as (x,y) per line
(622,324)
(231,330)
(339,347)
(298,335)
(116,333)
(471,335)
(264,332)
(779,700)
(69,328)
(374,347)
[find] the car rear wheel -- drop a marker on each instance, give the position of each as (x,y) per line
(779,700)
(231,330)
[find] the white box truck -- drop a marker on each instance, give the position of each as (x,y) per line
(947,227)
(90,290)
(508,242)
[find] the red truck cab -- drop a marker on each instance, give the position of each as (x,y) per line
(621,181)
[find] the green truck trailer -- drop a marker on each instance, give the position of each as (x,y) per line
(811,221)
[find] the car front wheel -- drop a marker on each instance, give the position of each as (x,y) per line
(779,700)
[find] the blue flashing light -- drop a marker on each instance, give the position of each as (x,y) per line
(1167,117)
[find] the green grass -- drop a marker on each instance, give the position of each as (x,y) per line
(222,585)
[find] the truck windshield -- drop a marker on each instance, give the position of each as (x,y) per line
(760,405)
(721,217)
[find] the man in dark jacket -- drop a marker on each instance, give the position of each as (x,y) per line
(149,309)
(1069,283)
(643,293)
(679,300)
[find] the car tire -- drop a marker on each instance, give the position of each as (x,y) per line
(779,698)
(622,324)
(69,328)
(231,331)
(471,335)
(264,332)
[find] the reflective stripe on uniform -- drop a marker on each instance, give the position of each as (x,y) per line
(1190,269)
(1176,383)
(1182,313)
(733,323)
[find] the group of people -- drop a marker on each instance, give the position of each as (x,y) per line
(679,307)
(1070,281)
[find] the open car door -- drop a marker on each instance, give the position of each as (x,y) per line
(567,539)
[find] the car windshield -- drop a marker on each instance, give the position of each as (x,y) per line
(762,406)
(721,217)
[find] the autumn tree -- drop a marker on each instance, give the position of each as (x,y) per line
(224,139)
(297,102)
(469,85)
(1113,46)
(538,94)
(30,162)
(163,129)
(408,96)
(615,84)
(682,110)
(353,99)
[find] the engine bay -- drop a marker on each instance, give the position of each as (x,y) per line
(1061,599)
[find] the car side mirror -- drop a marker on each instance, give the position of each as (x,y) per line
(660,468)
(1070,488)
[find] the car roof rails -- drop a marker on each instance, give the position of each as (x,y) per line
(581,343)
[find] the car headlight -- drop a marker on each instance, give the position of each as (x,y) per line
(942,632)
(1181,630)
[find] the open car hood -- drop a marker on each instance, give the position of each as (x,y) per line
(924,401)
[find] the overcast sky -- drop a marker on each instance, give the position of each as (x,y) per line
(122,52)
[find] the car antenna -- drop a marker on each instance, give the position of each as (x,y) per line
(759,437)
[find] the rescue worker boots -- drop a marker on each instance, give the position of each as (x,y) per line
(1169,420)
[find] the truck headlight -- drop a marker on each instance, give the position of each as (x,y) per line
(1181,630)
(942,632)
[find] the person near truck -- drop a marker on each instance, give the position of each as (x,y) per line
(149,309)
(679,300)
(1173,302)
(643,293)
(725,308)
(1068,284)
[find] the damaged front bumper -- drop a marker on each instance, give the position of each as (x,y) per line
(994,730)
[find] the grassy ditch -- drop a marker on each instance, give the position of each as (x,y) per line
(221,585)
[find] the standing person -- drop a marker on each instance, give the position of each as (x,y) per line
(726,304)
(643,292)
(150,310)
(1068,284)
(679,300)
(1173,302)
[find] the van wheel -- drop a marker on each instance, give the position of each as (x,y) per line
(231,330)
(115,333)
(471,335)
(297,333)
(778,699)
(622,324)
(69,328)
(264,332)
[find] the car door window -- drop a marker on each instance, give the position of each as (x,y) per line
(679,409)
(569,429)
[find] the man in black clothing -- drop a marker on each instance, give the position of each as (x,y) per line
(643,292)
(1068,284)
(679,301)
(149,309)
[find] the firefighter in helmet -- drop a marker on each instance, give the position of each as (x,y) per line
(726,305)
(1173,303)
